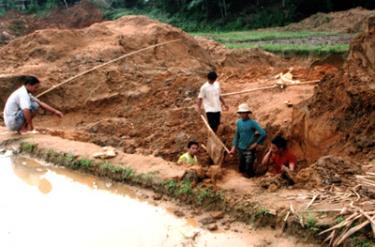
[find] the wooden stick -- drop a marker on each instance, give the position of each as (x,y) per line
(350,232)
(312,201)
(365,214)
(351,218)
(104,64)
(333,237)
(287,216)
(302,83)
(291,208)
(214,134)
(249,90)
(327,210)
(330,237)
(358,196)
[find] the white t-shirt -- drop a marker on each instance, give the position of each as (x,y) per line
(210,95)
(18,100)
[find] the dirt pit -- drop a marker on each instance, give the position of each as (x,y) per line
(144,104)
(340,115)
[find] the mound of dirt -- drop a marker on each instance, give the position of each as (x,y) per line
(349,21)
(340,117)
(14,24)
(144,103)
(329,170)
(145,97)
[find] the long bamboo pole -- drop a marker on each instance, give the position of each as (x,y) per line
(270,87)
(105,64)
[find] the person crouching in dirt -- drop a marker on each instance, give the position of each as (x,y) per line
(246,139)
(21,106)
(190,158)
(209,95)
(279,159)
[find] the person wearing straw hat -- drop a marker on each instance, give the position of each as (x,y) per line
(248,136)
(21,106)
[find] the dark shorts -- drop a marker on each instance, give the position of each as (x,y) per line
(247,159)
(213,119)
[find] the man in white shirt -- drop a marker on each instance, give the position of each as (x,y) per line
(21,106)
(209,95)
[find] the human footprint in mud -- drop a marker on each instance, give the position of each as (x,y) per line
(246,139)
(278,158)
(190,157)
(21,106)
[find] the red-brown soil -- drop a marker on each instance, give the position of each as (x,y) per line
(14,24)
(143,104)
(348,21)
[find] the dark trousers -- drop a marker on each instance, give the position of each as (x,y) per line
(247,159)
(213,119)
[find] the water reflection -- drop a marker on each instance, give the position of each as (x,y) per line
(32,173)
(84,211)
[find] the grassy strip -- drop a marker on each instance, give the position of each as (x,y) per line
(245,39)
(251,36)
(250,212)
(288,49)
(182,190)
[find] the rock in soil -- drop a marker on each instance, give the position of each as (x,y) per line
(207,220)
(217,215)
(212,227)
(157,197)
(178,213)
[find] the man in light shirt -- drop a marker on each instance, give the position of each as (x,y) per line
(21,106)
(209,96)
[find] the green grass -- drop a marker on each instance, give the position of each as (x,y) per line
(362,242)
(251,36)
(311,222)
(261,212)
(340,219)
(288,49)
(246,39)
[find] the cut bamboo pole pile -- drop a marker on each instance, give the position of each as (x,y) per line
(367,180)
(355,221)
(356,211)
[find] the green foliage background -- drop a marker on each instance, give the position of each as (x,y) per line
(204,15)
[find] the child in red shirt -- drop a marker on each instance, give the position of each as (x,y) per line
(279,158)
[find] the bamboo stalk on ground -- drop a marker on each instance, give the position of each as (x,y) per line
(350,232)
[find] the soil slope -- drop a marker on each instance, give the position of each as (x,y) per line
(340,117)
(348,21)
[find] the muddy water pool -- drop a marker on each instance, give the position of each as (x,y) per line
(43,205)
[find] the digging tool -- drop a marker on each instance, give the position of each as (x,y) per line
(214,135)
